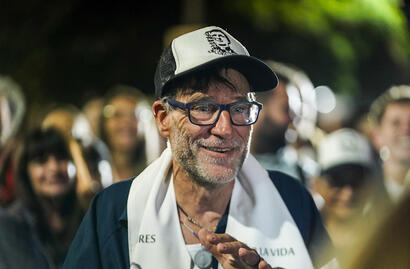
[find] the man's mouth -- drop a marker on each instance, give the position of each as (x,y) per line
(217,149)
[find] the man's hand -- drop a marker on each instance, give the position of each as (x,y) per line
(230,252)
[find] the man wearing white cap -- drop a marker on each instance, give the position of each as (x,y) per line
(205,202)
(348,186)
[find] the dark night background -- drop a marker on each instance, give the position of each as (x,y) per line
(69,50)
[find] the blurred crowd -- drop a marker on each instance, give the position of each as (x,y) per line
(357,170)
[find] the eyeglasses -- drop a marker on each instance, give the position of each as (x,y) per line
(204,113)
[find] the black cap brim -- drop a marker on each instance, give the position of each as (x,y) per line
(259,75)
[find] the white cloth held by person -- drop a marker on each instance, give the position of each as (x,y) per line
(257,217)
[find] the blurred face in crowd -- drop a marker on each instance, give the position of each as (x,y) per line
(277,108)
(274,120)
(49,175)
(394,131)
(345,190)
(92,110)
(213,154)
(121,123)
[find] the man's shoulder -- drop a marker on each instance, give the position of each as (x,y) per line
(102,236)
(117,190)
(113,199)
(285,182)
(305,214)
(295,195)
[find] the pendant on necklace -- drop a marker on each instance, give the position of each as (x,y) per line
(203,259)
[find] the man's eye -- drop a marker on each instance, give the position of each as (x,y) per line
(203,108)
(240,108)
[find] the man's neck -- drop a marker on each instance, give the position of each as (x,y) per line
(205,204)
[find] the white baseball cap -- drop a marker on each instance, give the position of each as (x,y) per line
(344,146)
(204,47)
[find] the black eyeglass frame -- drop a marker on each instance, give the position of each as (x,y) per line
(222,107)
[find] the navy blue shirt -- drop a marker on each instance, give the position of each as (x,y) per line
(102,239)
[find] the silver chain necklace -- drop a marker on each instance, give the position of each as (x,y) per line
(191,220)
(203,258)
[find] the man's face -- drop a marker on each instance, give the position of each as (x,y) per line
(274,120)
(278,104)
(345,194)
(394,131)
(211,155)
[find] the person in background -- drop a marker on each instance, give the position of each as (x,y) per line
(387,244)
(205,202)
(274,120)
(349,190)
(92,110)
(86,150)
(125,129)
(277,143)
(46,212)
(12,112)
(390,115)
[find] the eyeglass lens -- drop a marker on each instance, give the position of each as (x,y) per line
(240,113)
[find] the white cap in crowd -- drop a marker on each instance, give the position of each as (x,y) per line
(344,146)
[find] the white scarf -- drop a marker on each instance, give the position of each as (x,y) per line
(257,217)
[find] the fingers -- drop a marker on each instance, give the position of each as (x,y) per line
(250,257)
(219,238)
(264,265)
(222,243)
(203,238)
(226,248)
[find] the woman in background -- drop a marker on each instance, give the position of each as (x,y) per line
(46,209)
(128,129)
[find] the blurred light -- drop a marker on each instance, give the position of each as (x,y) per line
(82,130)
(12,108)
(291,136)
(104,168)
(325,99)
(311,167)
(295,102)
(290,155)
(71,170)
(144,115)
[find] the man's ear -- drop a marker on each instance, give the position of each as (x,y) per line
(161,116)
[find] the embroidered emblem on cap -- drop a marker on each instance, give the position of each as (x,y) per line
(219,42)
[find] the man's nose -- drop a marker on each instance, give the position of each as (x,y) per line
(223,127)
(346,192)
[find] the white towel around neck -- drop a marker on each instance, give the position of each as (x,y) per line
(257,216)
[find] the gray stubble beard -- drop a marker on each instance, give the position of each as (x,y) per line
(184,155)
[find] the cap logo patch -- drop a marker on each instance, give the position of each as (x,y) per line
(219,42)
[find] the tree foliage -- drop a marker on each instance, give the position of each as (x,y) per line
(348,29)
